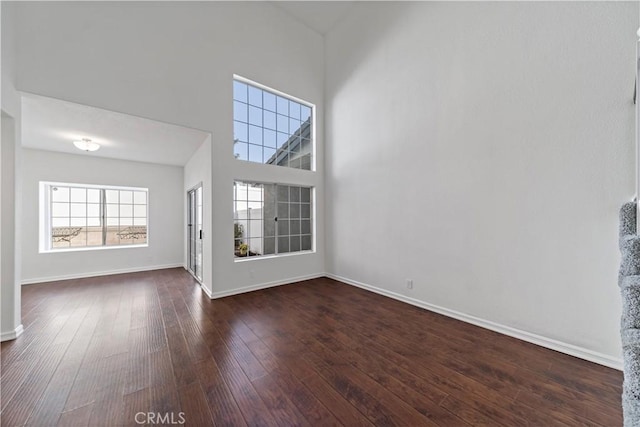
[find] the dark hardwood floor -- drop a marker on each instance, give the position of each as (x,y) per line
(110,350)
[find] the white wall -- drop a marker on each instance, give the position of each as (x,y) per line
(507,129)
(166,218)
(174,62)
(10,197)
(198,171)
(10,311)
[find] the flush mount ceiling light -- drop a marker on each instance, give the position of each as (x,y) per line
(86,145)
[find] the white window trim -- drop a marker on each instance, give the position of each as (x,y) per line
(44,220)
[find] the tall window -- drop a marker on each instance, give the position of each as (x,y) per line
(271,128)
(271,219)
(82,216)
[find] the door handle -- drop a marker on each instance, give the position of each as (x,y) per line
(200,234)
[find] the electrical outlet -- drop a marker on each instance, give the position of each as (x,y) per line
(409,284)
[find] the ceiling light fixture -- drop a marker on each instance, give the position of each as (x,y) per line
(86,145)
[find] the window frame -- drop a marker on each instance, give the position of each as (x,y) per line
(312,220)
(313,162)
(45,226)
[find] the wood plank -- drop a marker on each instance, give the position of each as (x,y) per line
(97,351)
(195,408)
(221,403)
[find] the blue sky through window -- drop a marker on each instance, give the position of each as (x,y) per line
(269,128)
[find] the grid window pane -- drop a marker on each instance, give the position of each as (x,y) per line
(240,112)
(282,124)
(79,239)
(294,194)
(269,101)
(93,195)
(281,140)
(266,120)
(305,194)
(282,105)
(283,227)
(239,91)
(113,196)
(241,207)
(294,244)
(60,222)
(78,195)
(139,221)
(79,217)
(126,211)
(294,162)
(255,96)
(60,209)
(113,211)
(255,135)
(94,238)
(255,247)
(294,126)
(269,227)
(255,116)
(140,197)
(283,210)
(294,110)
(241,150)
(60,194)
(269,138)
(305,113)
(248,215)
(294,225)
(283,193)
(269,155)
(305,210)
(283,244)
(255,153)
(79,210)
(305,243)
(126,197)
(267,219)
(78,222)
(294,146)
(269,120)
(269,245)
(140,211)
(294,210)
(305,162)
(240,131)
(254,192)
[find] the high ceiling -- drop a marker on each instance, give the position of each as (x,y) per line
(52,125)
(320,16)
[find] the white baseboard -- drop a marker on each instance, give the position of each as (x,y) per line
(570,349)
(206,290)
(257,287)
(11,335)
(98,273)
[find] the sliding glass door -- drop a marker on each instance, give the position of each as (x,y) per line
(194,231)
